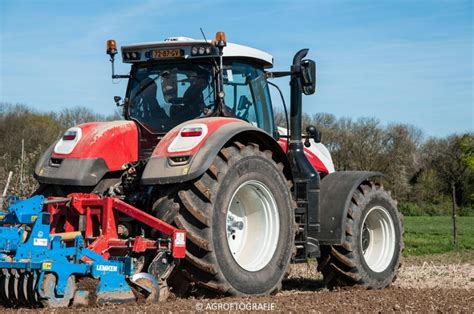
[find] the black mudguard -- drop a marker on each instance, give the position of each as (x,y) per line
(335,197)
(159,171)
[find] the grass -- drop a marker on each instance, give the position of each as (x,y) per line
(433,235)
(451,257)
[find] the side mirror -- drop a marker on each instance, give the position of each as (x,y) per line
(308,76)
(312,132)
(117,100)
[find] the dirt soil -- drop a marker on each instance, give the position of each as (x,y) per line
(434,284)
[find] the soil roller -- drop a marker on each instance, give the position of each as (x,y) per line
(40,267)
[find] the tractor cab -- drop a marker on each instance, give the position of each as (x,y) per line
(177,80)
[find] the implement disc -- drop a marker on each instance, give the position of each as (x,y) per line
(49,291)
(148,286)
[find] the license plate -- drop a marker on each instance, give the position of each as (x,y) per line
(166,53)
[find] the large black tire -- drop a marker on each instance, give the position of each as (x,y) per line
(200,207)
(357,261)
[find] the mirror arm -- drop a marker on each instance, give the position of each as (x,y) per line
(277,74)
(287,121)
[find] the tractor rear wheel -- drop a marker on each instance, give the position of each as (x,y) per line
(239,221)
(371,251)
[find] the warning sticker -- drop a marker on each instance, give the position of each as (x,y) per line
(47,266)
(180,239)
(40,242)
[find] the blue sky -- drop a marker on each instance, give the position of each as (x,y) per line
(398,61)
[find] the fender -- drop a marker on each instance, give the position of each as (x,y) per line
(318,155)
(161,169)
(95,149)
(335,196)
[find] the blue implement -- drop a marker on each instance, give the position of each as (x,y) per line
(40,269)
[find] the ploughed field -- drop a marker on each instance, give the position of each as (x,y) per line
(430,283)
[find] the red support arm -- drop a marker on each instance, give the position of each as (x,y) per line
(104,209)
(178,245)
(142,217)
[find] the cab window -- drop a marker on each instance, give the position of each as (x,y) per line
(246,94)
(163,95)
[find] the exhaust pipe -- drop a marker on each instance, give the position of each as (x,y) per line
(296,96)
(305,176)
(302,168)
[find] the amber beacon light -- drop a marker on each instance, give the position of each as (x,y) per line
(220,36)
(111,47)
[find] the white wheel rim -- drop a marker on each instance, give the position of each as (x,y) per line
(378,239)
(253,225)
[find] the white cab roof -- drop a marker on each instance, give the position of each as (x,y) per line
(231,50)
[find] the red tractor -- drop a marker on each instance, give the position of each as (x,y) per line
(199,150)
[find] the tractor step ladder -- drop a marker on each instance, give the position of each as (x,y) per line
(306,247)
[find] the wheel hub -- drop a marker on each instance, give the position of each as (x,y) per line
(365,238)
(252,225)
(234,223)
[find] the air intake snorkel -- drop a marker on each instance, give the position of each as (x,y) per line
(303,78)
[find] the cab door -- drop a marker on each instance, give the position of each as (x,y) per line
(247,95)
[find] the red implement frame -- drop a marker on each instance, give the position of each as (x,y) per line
(96,217)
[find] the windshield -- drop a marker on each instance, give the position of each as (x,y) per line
(162,96)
